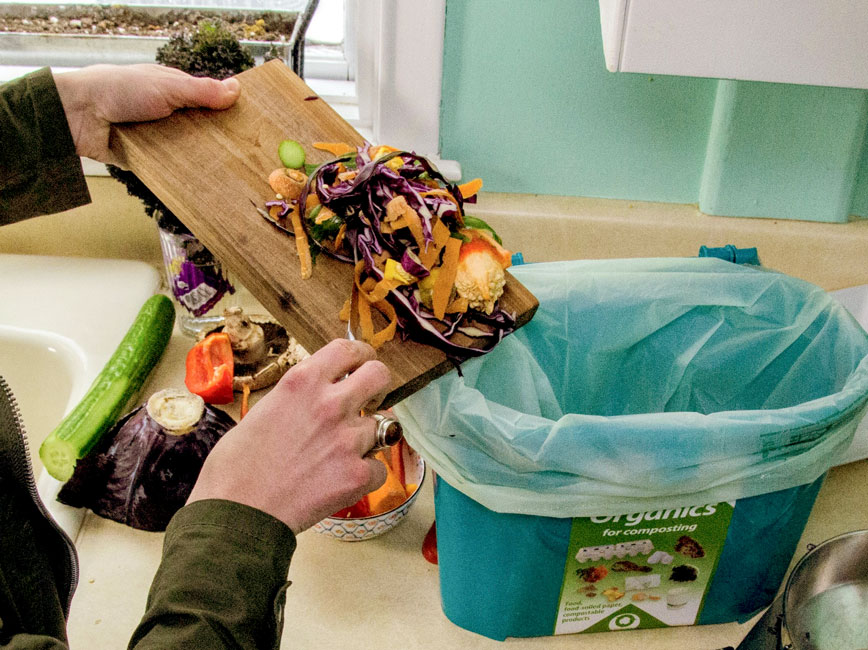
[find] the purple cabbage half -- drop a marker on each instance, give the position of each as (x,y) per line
(140,474)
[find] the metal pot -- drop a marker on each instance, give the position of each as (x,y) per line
(826,598)
(824,605)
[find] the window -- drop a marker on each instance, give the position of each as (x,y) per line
(377,62)
(396,54)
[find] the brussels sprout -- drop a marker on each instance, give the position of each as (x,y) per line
(143,470)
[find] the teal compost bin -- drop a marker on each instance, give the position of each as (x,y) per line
(644,453)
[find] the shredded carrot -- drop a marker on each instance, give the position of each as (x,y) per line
(362,306)
(470,188)
(380,259)
(439,191)
(381,290)
(459,306)
(311,202)
(302,245)
(377,150)
(399,223)
(344,314)
(387,333)
(334,148)
(395,208)
(400,215)
(361,303)
(339,238)
(428,256)
(414,223)
(323,215)
(446,278)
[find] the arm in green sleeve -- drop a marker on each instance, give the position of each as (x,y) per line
(40,172)
(222,580)
(33,642)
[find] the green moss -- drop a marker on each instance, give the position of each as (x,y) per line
(210,51)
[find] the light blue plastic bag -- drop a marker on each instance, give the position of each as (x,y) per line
(648,383)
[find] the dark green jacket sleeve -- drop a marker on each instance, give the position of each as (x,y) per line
(221,582)
(40,173)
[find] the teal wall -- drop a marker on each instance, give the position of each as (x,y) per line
(529,107)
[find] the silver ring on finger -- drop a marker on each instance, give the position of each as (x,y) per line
(389,432)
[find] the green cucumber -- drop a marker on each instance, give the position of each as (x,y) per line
(118,382)
(291,154)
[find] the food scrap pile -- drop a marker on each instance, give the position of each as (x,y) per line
(431,272)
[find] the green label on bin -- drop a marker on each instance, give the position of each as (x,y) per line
(641,570)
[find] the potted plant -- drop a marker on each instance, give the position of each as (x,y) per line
(197,279)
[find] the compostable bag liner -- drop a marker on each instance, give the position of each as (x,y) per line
(648,383)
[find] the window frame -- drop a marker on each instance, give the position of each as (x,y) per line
(399,95)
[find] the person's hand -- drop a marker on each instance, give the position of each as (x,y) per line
(98,96)
(301,453)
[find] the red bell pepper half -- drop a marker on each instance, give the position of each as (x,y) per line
(211,368)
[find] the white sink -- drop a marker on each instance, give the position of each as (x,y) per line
(61,318)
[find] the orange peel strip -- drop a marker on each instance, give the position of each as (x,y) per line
(414,223)
(470,188)
(301,245)
(366,321)
(393,226)
(400,215)
(381,290)
(377,150)
(441,235)
(457,306)
(446,278)
(339,238)
(396,208)
(388,332)
(334,148)
(323,215)
(344,314)
(311,202)
(363,308)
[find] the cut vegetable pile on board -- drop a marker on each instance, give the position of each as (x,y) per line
(421,269)
(422,266)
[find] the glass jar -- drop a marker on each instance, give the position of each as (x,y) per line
(199,284)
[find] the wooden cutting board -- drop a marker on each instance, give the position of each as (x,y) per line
(211,168)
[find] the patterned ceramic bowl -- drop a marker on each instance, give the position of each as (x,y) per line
(362,528)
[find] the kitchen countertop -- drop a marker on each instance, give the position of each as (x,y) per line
(381,592)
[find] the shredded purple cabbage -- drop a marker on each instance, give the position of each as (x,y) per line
(284,207)
(361,203)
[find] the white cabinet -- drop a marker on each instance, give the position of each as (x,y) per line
(816,42)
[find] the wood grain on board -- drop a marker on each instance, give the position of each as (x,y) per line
(211,168)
